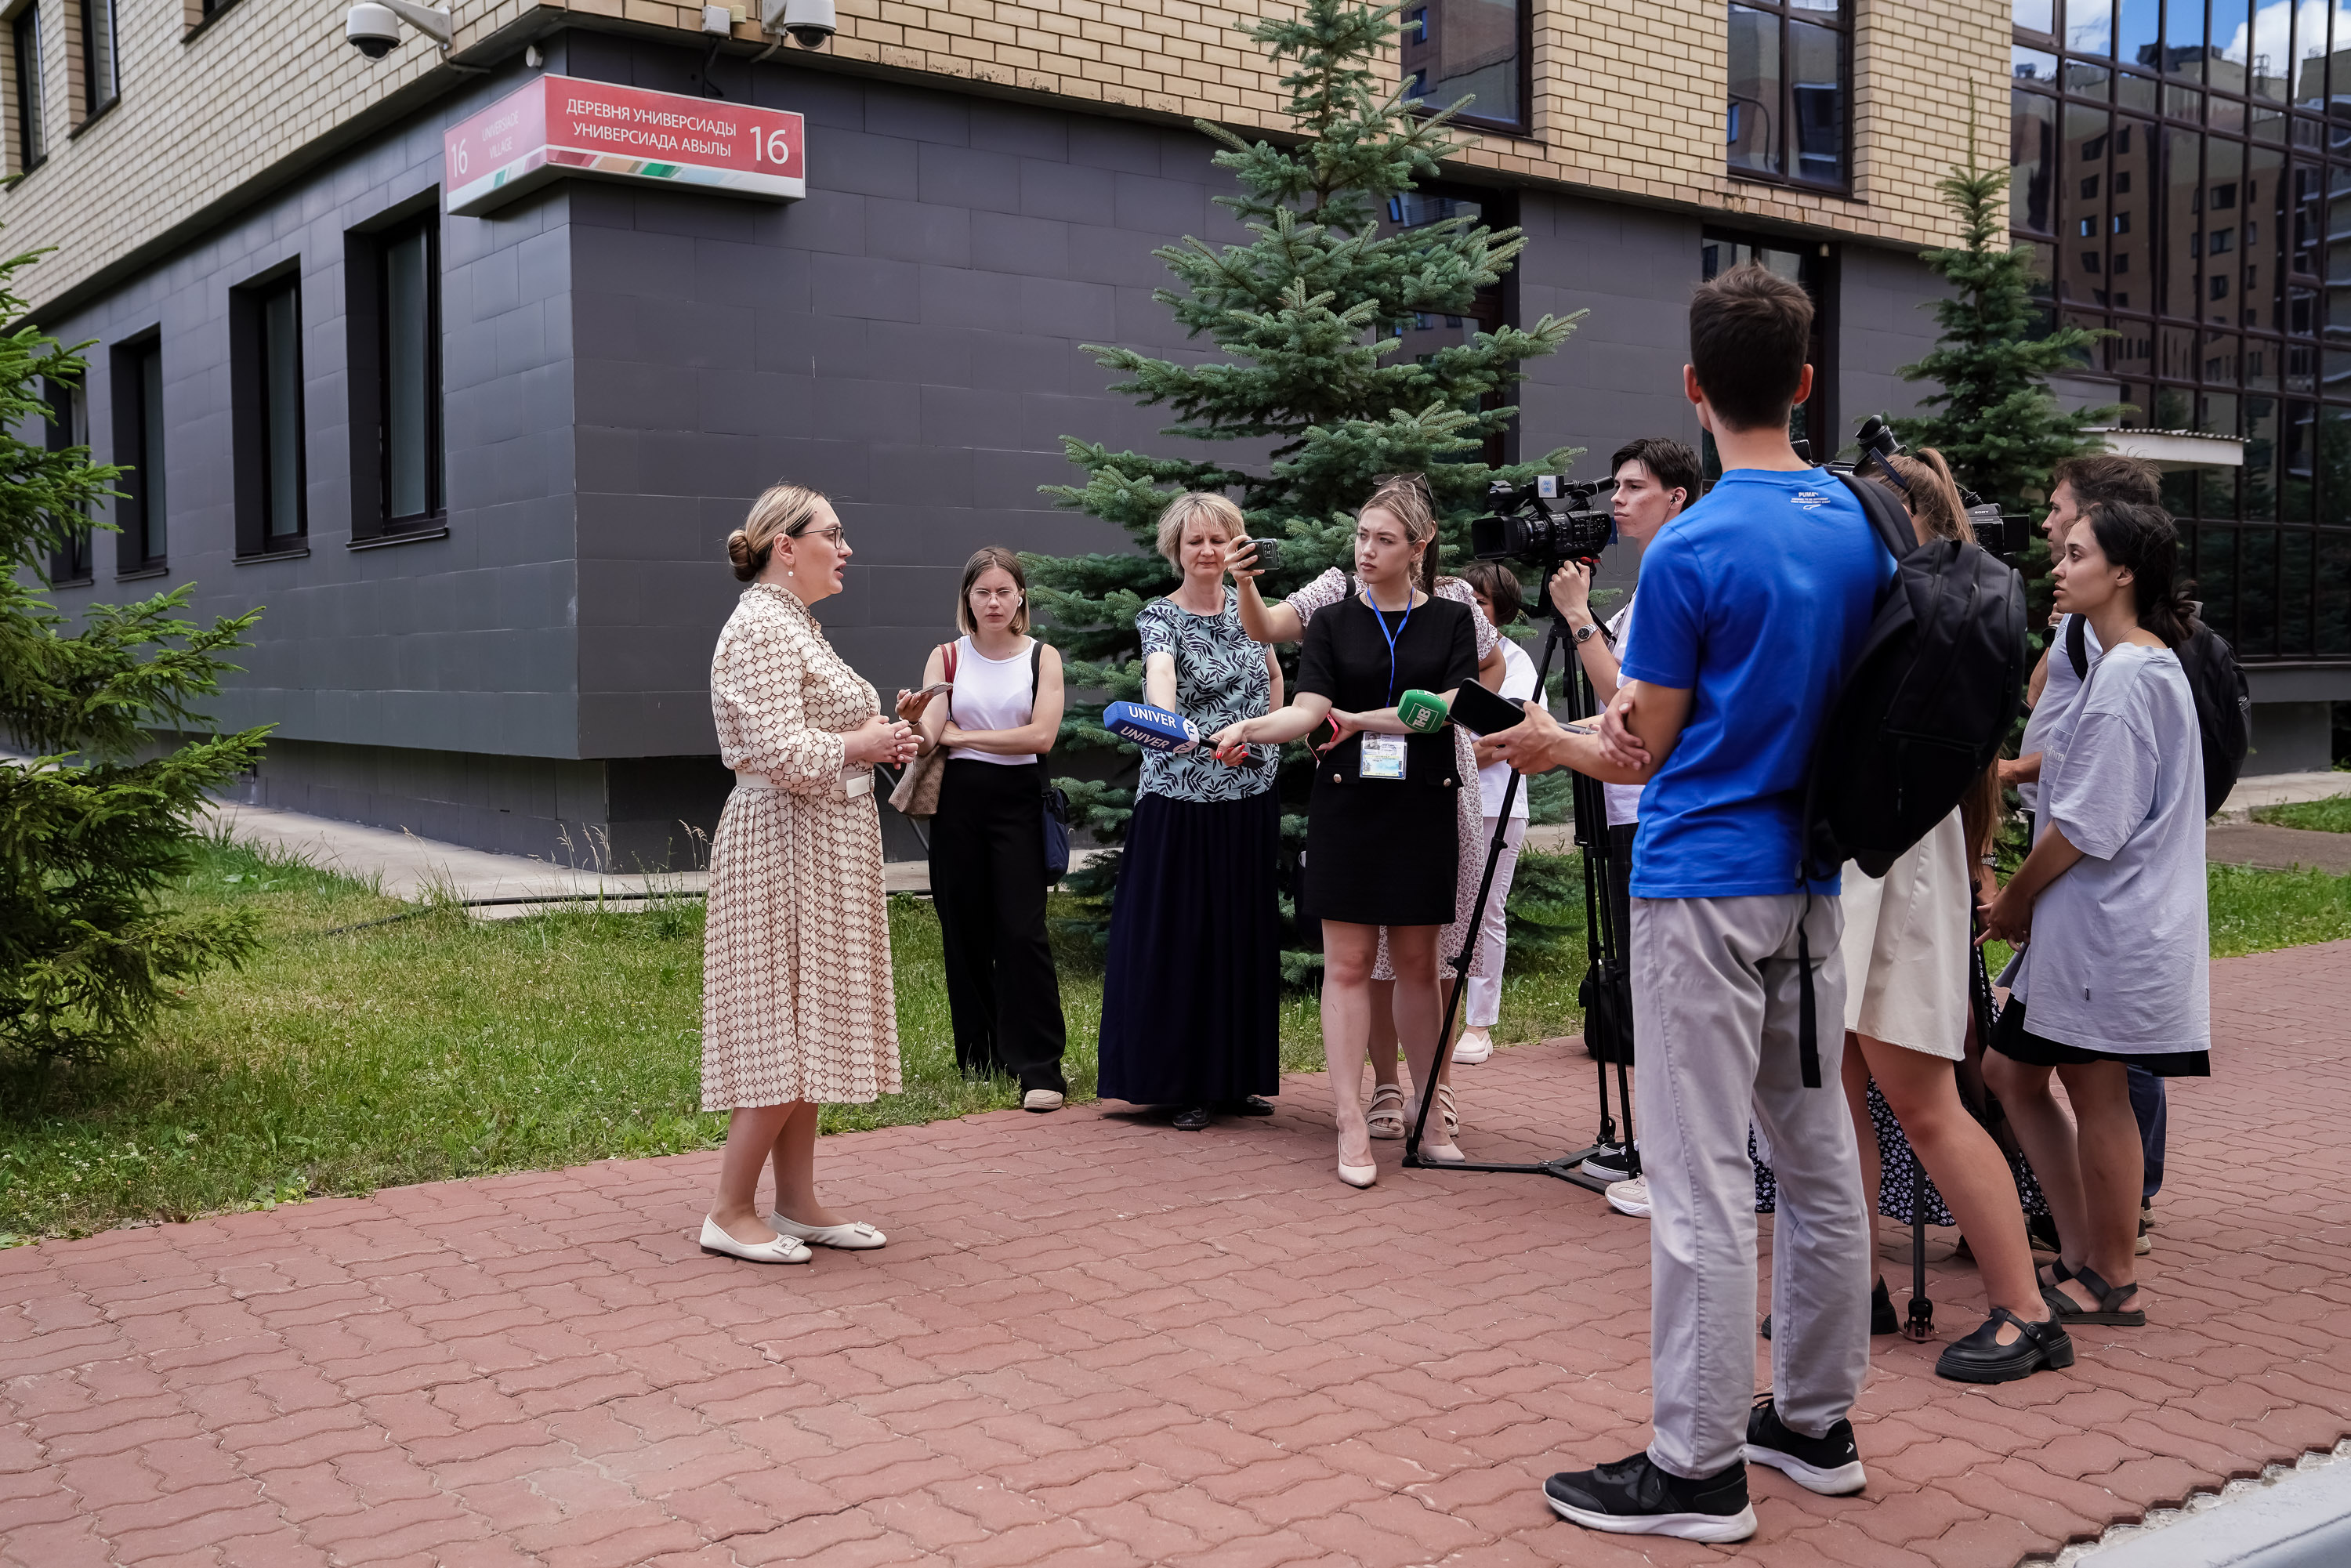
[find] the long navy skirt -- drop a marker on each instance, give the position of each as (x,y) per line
(1192,997)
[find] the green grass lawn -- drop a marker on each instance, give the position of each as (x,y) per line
(2332,815)
(441,1046)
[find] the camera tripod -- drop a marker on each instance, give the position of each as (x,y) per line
(1604,943)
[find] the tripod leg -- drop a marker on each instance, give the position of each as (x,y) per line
(1921,1323)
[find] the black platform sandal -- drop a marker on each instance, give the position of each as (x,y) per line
(1981,1358)
(2109,1309)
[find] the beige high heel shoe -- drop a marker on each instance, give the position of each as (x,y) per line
(1360,1175)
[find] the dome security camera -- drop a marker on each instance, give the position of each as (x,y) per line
(372,26)
(810,21)
(372,29)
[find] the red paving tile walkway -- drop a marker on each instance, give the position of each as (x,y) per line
(1093,1340)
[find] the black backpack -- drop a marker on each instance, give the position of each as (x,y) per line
(1923,711)
(2224,704)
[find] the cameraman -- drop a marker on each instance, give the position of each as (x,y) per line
(1756,604)
(1656,477)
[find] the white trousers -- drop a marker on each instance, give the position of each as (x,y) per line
(1715,998)
(1484,1001)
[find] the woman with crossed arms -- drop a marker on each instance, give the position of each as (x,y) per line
(1381,845)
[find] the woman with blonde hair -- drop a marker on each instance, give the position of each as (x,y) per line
(987,841)
(1192,997)
(1381,842)
(796,999)
(1285,621)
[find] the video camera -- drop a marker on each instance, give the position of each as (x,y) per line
(1545,521)
(2006,535)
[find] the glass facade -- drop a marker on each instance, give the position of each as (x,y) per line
(2183,173)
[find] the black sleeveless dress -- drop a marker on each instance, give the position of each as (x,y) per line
(1383,851)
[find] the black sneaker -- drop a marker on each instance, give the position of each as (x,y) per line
(1610,1162)
(1830,1466)
(1192,1118)
(1633,1497)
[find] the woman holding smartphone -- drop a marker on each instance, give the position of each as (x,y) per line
(2116,877)
(1286,620)
(1382,843)
(1000,714)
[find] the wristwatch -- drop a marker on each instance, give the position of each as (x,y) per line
(1585,633)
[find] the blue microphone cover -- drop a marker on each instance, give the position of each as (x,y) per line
(1154,728)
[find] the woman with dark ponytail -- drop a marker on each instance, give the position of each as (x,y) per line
(2116,876)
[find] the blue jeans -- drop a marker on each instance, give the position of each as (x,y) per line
(2149,1106)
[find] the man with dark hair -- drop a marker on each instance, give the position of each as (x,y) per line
(1754,604)
(1657,480)
(2075,486)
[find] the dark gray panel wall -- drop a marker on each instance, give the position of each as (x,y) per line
(1886,320)
(463,643)
(907,338)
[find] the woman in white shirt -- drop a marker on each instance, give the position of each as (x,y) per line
(987,842)
(1499,596)
(2116,875)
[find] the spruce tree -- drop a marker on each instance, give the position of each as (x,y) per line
(1308,316)
(1994,418)
(90,837)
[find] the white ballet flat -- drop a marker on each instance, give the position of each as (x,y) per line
(855,1236)
(782,1250)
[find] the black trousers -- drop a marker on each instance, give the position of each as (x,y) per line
(988,883)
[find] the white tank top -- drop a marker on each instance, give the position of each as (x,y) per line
(990,693)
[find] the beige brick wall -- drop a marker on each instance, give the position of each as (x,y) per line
(1628,100)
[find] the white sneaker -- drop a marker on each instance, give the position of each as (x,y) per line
(1475,1045)
(1630,1197)
(1042,1099)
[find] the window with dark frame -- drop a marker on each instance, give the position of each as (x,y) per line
(1814,420)
(143,511)
(25,63)
(2182,175)
(409,282)
(1478,50)
(1791,92)
(102,71)
(393,313)
(267,398)
(69,426)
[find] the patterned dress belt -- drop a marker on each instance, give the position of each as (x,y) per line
(851,783)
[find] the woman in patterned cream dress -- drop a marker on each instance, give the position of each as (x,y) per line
(796,998)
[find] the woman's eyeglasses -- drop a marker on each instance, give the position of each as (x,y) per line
(833,536)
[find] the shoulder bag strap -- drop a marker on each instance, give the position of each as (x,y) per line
(1889,519)
(2077,646)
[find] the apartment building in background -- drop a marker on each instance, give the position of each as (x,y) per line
(468,398)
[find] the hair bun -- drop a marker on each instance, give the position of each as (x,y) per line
(739,550)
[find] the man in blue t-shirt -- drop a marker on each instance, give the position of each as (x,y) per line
(1755,603)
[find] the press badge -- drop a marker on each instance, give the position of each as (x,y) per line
(1383,758)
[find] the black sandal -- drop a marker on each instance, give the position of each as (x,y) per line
(1981,1358)
(2058,1274)
(2109,1309)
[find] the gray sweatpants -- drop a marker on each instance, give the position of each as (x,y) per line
(1715,1008)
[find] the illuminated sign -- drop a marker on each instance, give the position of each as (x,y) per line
(556,125)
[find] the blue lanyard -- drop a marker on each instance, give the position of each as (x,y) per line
(1382,617)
